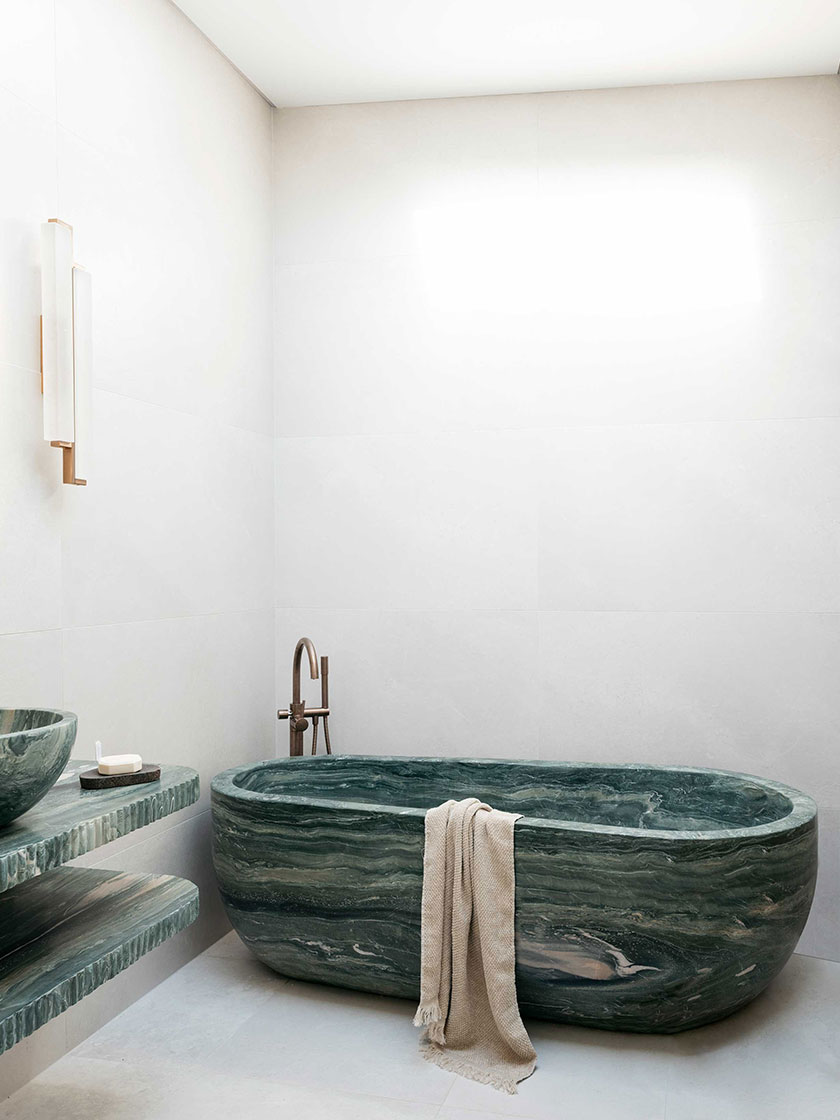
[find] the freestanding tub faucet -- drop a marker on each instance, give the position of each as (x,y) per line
(297,711)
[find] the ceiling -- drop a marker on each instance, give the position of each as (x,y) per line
(323,52)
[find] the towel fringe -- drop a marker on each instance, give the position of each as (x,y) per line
(455,1064)
(427,1013)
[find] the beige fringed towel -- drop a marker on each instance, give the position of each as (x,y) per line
(467,982)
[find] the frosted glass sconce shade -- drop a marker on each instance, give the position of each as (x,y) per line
(57,330)
(66,350)
(82,371)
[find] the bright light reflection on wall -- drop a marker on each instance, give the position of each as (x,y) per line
(625,244)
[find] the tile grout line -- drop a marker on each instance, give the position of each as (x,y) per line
(682,611)
(197,416)
(138,621)
(583,425)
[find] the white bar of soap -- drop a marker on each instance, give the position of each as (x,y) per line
(120,764)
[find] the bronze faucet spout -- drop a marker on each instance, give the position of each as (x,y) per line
(303,644)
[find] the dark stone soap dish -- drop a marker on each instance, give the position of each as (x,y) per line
(92,779)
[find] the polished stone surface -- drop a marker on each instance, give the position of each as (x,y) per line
(70,821)
(648,899)
(64,934)
(225,1037)
(35,744)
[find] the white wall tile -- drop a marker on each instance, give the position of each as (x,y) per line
(172,99)
(417,363)
(775,139)
(27,52)
(30,508)
(716,517)
(598,362)
(749,692)
(344,371)
(182,282)
(28,197)
(551,310)
(448,682)
(637,284)
(351,178)
(125,121)
(421,363)
(443,522)
(177,518)
(189,691)
(30,670)
(344,182)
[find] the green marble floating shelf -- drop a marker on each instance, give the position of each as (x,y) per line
(64,934)
(70,821)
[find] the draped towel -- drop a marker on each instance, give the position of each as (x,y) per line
(467,982)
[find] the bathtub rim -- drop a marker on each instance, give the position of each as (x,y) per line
(802,813)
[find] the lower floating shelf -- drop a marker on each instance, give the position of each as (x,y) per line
(65,933)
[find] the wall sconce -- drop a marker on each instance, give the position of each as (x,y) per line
(66,350)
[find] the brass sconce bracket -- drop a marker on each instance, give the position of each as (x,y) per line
(68,459)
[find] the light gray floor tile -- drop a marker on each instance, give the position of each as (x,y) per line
(227,1037)
(229,946)
(190,1015)
(314,1034)
(79,1088)
(447,1113)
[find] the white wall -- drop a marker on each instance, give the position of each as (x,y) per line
(144,601)
(558,428)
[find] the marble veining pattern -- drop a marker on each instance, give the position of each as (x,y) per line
(66,933)
(70,821)
(35,745)
(647,899)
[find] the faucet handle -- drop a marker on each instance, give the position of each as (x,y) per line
(283,713)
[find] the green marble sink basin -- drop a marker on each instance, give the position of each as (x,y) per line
(35,744)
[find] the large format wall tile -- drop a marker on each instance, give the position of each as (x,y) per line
(433,358)
(775,138)
(191,691)
(124,120)
(180,284)
(640,286)
(30,670)
(30,508)
(353,178)
(358,156)
(28,197)
(177,520)
(172,99)
(323,325)
(27,52)
(651,264)
(448,682)
(749,692)
(717,517)
(443,522)
(613,342)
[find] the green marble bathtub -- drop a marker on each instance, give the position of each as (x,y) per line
(647,898)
